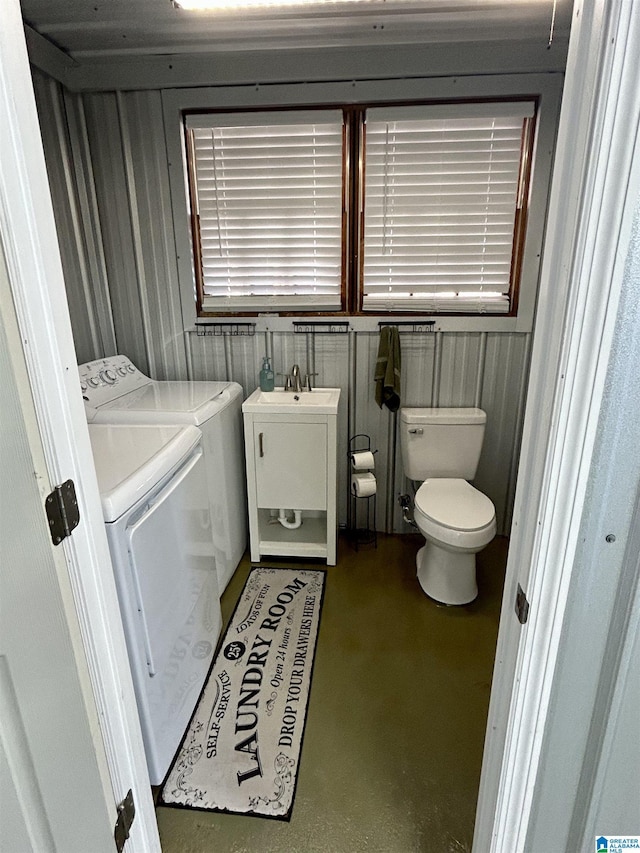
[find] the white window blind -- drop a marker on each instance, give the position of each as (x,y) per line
(441,190)
(269,201)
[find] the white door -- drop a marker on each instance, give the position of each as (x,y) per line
(53,794)
(596,184)
(57,781)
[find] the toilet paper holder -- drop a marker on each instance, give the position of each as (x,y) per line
(361,509)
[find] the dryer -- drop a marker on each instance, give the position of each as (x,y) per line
(116,392)
(156,510)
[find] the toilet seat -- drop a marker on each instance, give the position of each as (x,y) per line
(454,504)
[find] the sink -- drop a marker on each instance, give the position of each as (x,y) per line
(320,401)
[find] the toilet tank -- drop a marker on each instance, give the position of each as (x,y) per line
(441,442)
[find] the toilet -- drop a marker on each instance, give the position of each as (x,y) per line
(441,449)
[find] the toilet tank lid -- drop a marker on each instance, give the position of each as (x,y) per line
(443,416)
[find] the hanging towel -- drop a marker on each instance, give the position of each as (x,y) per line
(387,375)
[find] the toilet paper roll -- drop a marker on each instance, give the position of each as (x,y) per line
(363,485)
(362,461)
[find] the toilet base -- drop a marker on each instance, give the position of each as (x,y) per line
(447,576)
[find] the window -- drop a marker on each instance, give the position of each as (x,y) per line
(267,192)
(441,207)
(432,221)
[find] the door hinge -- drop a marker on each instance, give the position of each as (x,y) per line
(126,814)
(62,511)
(522,606)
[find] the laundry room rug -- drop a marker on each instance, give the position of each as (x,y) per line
(242,749)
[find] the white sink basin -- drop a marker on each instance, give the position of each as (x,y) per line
(320,401)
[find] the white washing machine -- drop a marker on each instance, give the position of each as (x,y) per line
(156,510)
(116,392)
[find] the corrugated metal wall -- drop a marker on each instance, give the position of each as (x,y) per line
(108,170)
(77,218)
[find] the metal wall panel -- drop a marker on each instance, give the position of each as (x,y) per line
(106,141)
(441,369)
(418,367)
(207,358)
(149,199)
(329,358)
(502,401)
(70,182)
(129,163)
(239,358)
(460,362)
(373,421)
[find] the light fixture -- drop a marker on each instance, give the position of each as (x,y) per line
(227,5)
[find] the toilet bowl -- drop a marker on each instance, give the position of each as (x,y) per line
(457,521)
(441,450)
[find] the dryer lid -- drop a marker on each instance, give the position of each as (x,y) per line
(454,503)
(131,460)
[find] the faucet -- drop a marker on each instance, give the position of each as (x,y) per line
(296,381)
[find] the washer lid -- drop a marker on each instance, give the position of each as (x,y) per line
(454,503)
(130,460)
(192,402)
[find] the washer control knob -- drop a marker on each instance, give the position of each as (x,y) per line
(83,387)
(131,368)
(93,381)
(108,376)
(122,371)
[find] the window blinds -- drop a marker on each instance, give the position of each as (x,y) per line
(441,191)
(269,202)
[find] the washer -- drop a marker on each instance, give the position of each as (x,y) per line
(156,510)
(116,392)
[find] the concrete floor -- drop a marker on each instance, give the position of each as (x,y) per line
(393,744)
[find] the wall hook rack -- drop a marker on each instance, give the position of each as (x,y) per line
(233,329)
(415,326)
(321,327)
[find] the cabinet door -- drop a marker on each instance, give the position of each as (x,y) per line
(291,465)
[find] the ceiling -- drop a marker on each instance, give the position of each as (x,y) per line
(94,30)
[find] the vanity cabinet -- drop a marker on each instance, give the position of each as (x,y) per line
(291,463)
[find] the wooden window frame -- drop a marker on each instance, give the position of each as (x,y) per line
(353,198)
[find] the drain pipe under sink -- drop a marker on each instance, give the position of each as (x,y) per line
(290,525)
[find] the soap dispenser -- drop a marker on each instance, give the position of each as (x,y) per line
(266,375)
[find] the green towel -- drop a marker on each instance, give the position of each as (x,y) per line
(387,375)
